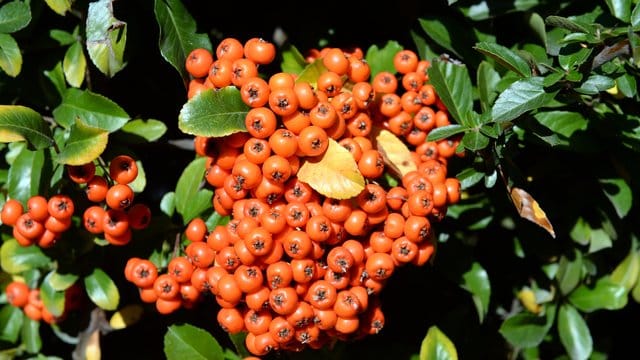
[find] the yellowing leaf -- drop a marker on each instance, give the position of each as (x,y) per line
(529,209)
(335,174)
(126,316)
(93,351)
(85,144)
(528,299)
(395,153)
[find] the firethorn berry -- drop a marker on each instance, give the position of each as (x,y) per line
(255,92)
(405,61)
(336,61)
(17,293)
(243,70)
(260,51)
(81,174)
(230,48)
(139,216)
(119,196)
(221,72)
(384,82)
(11,211)
(96,189)
(123,169)
(198,62)
(38,207)
(196,230)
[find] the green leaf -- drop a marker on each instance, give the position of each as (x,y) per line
(25,174)
(444,132)
(214,113)
(627,85)
(536,23)
(56,76)
(604,295)
(74,64)
(11,319)
(53,300)
(168,203)
(16,258)
(595,84)
(505,57)
(293,61)
(238,340)
(469,177)
(436,345)
(619,194)
(106,38)
(60,7)
(525,330)
(30,336)
(565,23)
(10,55)
(14,16)
(599,239)
(93,109)
(380,60)
(474,140)
(635,16)
(476,281)
(424,50)
(635,292)
(453,85)
(522,96)
(553,78)
(569,273)
(626,272)
(620,9)
(19,123)
(574,59)
(64,38)
(60,281)
(574,333)
(190,342)
(148,129)
(565,123)
(140,182)
(311,72)
(84,145)
(445,32)
(102,290)
(189,185)
(178,36)
(487,79)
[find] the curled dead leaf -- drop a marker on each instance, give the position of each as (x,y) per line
(396,154)
(529,209)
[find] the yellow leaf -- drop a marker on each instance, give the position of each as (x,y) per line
(395,153)
(126,316)
(528,299)
(335,174)
(93,351)
(529,209)
(9,136)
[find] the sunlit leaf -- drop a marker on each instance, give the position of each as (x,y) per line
(59,6)
(56,76)
(520,97)
(476,281)
(30,336)
(565,123)
(293,61)
(84,145)
(380,60)
(126,316)
(106,38)
(569,273)
(335,174)
(475,140)
(10,55)
(443,132)
(93,109)
(53,299)
(60,281)
(14,16)
(16,258)
(605,294)
(620,8)
(529,209)
(148,129)
(436,345)
(19,123)
(190,342)
(619,194)
(74,64)
(168,203)
(453,86)
(627,271)
(214,113)
(311,72)
(102,290)
(395,152)
(526,329)
(595,84)
(574,333)
(26,174)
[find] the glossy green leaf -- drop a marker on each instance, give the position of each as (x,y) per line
(61,281)
(627,85)
(189,185)
(635,292)
(178,35)
(469,177)
(444,132)
(64,38)
(16,258)
(382,59)
(569,273)
(574,59)
(604,295)
(147,129)
(84,145)
(552,78)
(53,300)
(238,341)
(93,109)
(168,203)
(311,72)
(635,16)
(619,194)
(574,333)
(474,140)
(106,38)
(189,342)
(25,174)
(525,330)
(453,86)
(536,23)
(10,55)
(627,271)
(599,239)
(214,113)
(140,182)
(30,336)
(522,96)
(11,319)
(56,76)
(505,57)
(595,84)
(436,345)
(59,6)
(487,79)
(74,65)
(620,9)
(476,281)
(565,123)
(14,15)
(102,290)
(293,61)
(19,123)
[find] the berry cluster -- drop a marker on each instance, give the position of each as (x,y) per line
(292,267)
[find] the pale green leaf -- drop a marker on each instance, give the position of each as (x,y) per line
(93,109)
(14,16)
(106,38)
(85,144)
(574,333)
(189,342)
(18,123)
(102,290)
(214,113)
(10,55)
(60,7)
(436,345)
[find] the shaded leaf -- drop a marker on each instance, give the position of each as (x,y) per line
(520,97)
(443,31)
(11,319)
(565,123)
(436,345)
(16,258)
(443,132)
(469,177)
(487,80)
(453,86)
(536,23)
(529,209)
(335,174)
(238,341)
(14,16)
(574,333)
(599,239)
(84,145)
(128,315)
(476,281)
(74,65)
(189,185)
(293,61)
(19,123)
(25,174)
(168,203)
(93,109)
(53,300)
(60,7)
(56,76)
(395,152)
(311,72)
(569,273)
(214,113)
(30,336)
(140,182)
(619,194)
(575,59)
(106,38)
(189,342)
(505,57)
(10,55)
(102,290)
(474,140)
(524,330)
(627,85)
(604,295)
(380,60)
(595,84)
(178,35)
